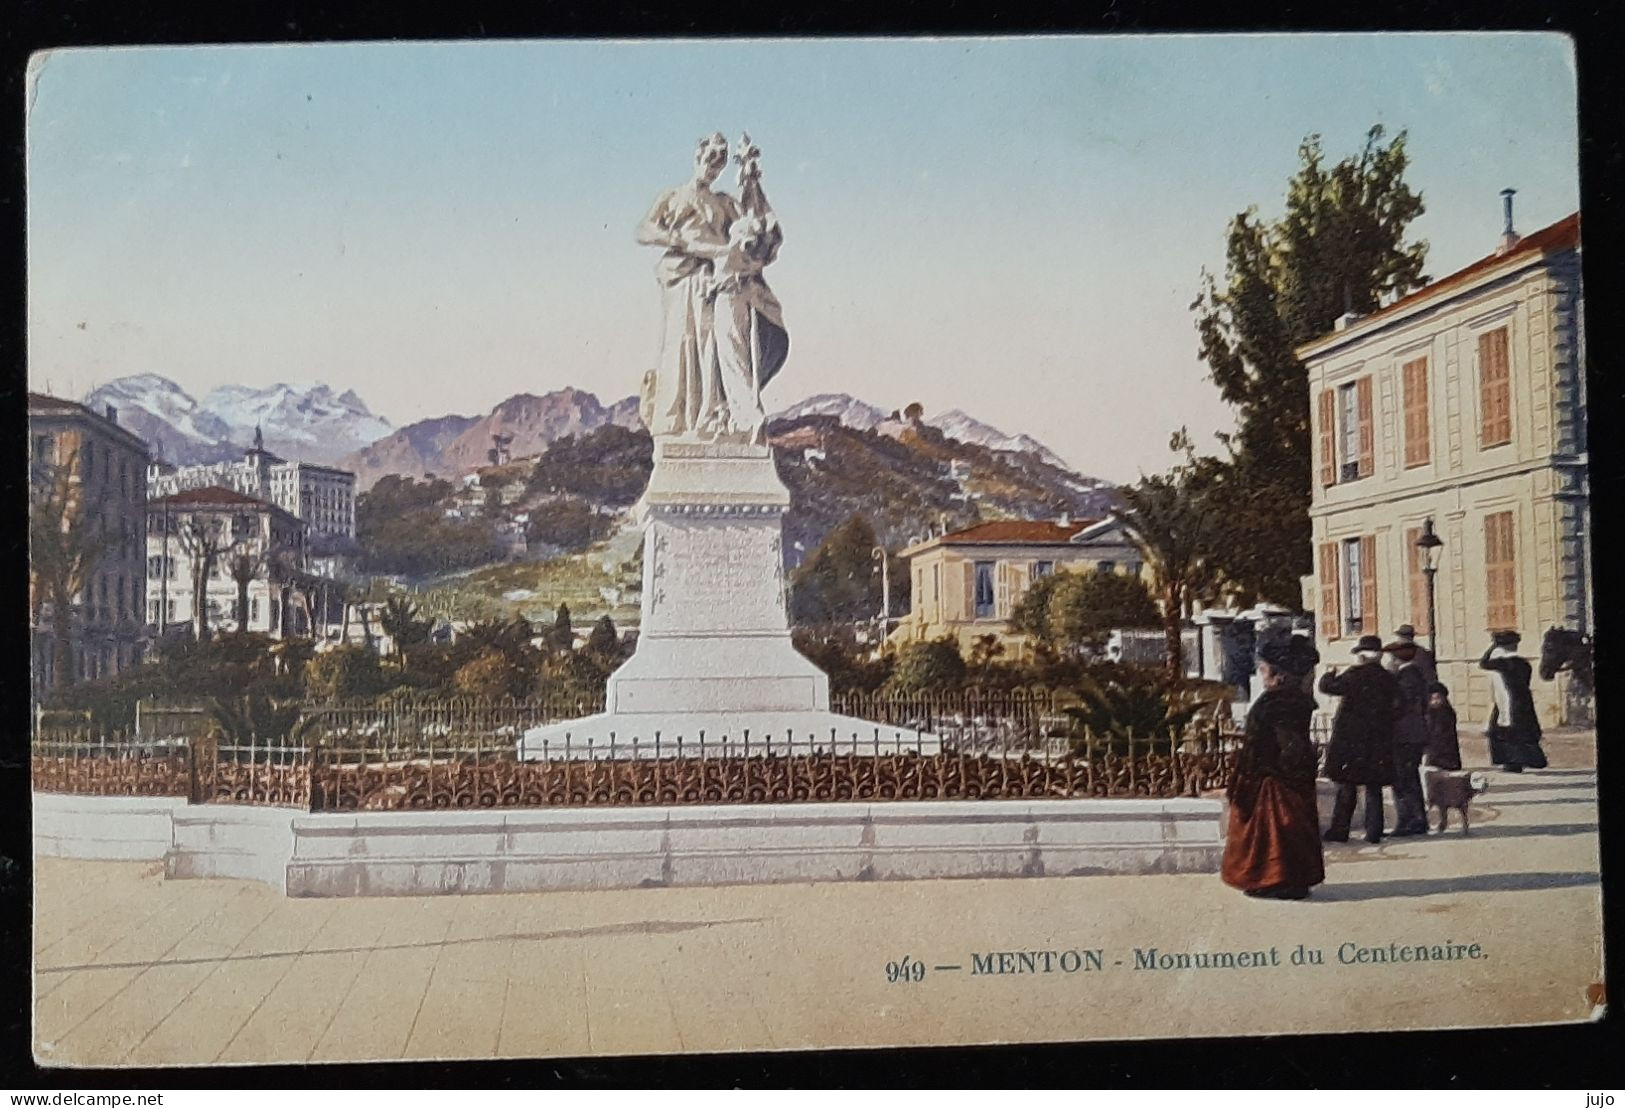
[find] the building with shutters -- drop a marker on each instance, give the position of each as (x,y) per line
(967,583)
(105,462)
(1463,403)
(198,539)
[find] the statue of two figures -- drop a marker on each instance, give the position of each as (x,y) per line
(723,337)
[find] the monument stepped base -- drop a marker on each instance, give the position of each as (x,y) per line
(716,735)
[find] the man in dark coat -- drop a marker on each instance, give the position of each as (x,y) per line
(1410,739)
(1513,730)
(1424,661)
(1361,751)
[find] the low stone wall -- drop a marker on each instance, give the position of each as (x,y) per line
(111,828)
(528,850)
(223,840)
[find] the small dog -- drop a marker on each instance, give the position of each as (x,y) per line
(1448,790)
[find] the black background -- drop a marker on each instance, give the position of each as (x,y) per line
(1579,1056)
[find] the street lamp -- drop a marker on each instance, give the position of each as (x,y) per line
(1427,549)
(879,555)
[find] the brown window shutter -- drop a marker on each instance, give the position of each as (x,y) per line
(1418,582)
(1368,439)
(1494,389)
(1330,616)
(1328,438)
(1500,571)
(1368,584)
(1417,449)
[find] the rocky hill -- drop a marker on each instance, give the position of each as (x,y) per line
(531,423)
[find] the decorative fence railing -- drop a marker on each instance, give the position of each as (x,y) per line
(464,754)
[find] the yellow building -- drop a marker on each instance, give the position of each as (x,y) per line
(967,583)
(1464,404)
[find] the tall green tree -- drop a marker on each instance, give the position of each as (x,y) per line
(840,582)
(1340,245)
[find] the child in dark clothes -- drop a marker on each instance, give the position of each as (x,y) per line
(1443,750)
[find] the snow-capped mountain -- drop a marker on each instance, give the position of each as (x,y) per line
(306,421)
(173,423)
(958,425)
(852,412)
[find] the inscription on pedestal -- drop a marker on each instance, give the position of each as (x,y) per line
(709,575)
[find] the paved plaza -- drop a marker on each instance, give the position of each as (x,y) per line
(132,969)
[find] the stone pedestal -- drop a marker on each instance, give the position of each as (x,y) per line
(714,659)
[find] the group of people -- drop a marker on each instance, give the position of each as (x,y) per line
(1392,720)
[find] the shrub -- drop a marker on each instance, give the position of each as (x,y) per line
(342,673)
(1118,702)
(933,666)
(494,674)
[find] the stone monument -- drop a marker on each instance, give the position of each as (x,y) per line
(714,661)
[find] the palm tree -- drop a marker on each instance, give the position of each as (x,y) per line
(400,621)
(63,550)
(1170,522)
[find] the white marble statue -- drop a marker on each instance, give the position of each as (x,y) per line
(724,336)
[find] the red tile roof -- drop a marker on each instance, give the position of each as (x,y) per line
(1020,530)
(213,496)
(1562,235)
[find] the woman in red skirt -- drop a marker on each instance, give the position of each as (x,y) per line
(1272,848)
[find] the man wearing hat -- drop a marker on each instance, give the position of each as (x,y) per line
(1424,657)
(1410,738)
(1513,729)
(1361,751)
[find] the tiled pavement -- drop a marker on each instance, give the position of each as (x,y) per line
(131,969)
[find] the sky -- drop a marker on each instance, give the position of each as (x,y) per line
(1015,227)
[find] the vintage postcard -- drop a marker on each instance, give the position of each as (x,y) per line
(595,548)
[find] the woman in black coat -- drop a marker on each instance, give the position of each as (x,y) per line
(1514,729)
(1272,847)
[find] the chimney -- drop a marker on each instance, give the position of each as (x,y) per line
(1509,237)
(112,413)
(1349,314)
(1066,519)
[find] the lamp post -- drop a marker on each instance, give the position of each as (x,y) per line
(1427,548)
(879,555)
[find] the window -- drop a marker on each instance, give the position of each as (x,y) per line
(1042,569)
(155,566)
(984,590)
(1355,439)
(1136,569)
(254,609)
(1500,571)
(1106,567)
(1414,376)
(1358,586)
(170,609)
(242,526)
(44,448)
(90,461)
(1494,389)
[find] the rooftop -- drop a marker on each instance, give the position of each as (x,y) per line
(1562,235)
(41,404)
(1020,530)
(215,496)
